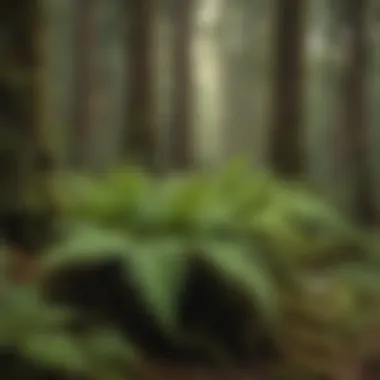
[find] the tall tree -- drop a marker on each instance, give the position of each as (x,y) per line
(100,129)
(19,97)
(108,144)
(58,87)
(84,70)
(286,148)
(180,129)
(140,142)
(25,203)
(355,127)
(246,77)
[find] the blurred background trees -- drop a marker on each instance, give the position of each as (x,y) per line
(191,84)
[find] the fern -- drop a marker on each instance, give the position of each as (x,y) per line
(282,226)
(158,267)
(40,334)
(247,270)
(86,243)
(252,229)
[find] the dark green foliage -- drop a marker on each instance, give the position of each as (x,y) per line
(39,341)
(16,367)
(28,231)
(100,291)
(212,306)
(189,270)
(206,305)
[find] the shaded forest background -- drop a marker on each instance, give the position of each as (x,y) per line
(293,86)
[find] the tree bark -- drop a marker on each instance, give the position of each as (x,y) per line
(140,142)
(286,152)
(355,116)
(58,86)
(26,205)
(83,80)
(19,98)
(180,129)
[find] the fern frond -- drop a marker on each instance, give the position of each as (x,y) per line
(41,335)
(247,270)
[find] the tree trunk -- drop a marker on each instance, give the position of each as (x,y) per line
(286,150)
(323,137)
(100,148)
(108,144)
(19,64)
(140,143)
(25,209)
(83,80)
(246,79)
(19,98)
(58,77)
(180,129)
(355,117)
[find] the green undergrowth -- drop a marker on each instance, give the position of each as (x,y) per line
(38,342)
(294,225)
(258,232)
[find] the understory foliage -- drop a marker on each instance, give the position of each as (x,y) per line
(210,268)
(38,342)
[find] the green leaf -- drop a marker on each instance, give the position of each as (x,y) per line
(299,228)
(244,267)
(109,353)
(56,350)
(158,267)
(87,243)
(181,199)
(230,178)
(23,311)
